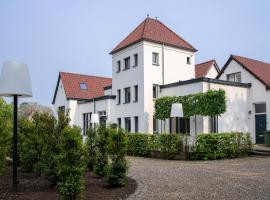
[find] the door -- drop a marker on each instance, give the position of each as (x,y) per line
(260,125)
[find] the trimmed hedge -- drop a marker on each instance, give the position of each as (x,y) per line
(169,145)
(222,145)
(209,146)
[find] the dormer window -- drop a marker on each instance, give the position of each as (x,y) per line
(188,60)
(83,86)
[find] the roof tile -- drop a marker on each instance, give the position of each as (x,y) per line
(155,31)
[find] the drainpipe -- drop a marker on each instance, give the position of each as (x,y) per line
(162,64)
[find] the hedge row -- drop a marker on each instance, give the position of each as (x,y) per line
(208,146)
(222,145)
(143,144)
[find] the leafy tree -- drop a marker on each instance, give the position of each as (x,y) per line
(5,132)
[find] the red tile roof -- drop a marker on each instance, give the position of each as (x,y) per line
(258,69)
(71,82)
(202,69)
(155,31)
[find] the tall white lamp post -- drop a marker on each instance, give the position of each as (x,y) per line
(15,82)
(94,119)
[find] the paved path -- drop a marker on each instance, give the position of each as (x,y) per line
(232,179)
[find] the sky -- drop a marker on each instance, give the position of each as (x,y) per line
(77,35)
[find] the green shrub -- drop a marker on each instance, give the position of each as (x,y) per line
(138,144)
(169,144)
(70,164)
(5,132)
(90,149)
(117,169)
(153,142)
(101,155)
(222,145)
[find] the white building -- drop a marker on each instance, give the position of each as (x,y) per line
(153,61)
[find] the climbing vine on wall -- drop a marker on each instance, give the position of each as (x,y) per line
(210,103)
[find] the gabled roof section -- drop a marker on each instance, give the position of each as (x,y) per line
(71,83)
(260,70)
(155,31)
(202,69)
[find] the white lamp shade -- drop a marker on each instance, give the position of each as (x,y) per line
(177,110)
(94,118)
(15,80)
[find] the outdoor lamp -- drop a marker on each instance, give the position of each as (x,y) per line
(15,82)
(94,118)
(177,110)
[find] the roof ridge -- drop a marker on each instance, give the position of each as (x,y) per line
(144,25)
(174,33)
(213,60)
(249,59)
(85,75)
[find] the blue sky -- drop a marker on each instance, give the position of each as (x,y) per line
(77,35)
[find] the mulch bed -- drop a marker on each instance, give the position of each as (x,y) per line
(32,187)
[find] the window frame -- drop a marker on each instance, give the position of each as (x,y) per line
(155,125)
(156,60)
(156,91)
(234,75)
(119,122)
(127,119)
(127,95)
(136,95)
(188,60)
(83,88)
(136,124)
(135,56)
(86,122)
(214,124)
(62,109)
(126,67)
(118,66)
(118,97)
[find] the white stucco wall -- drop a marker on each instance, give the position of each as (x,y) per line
(129,78)
(257,93)
(60,99)
(212,73)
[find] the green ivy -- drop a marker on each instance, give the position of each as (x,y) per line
(210,103)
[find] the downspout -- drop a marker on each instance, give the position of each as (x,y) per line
(162,71)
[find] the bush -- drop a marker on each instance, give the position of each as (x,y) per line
(170,145)
(70,164)
(101,155)
(222,145)
(5,132)
(138,144)
(117,169)
(90,149)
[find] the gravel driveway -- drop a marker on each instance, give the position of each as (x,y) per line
(232,179)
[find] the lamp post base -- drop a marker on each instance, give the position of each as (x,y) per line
(15,142)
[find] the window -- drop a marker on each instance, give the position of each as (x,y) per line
(188,60)
(135,93)
(127,63)
(260,108)
(214,124)
(155,59)
(127,95)
(83,86)
(136,124)
(135,60)
(102,118)
(155,125)
(179,125)
(118,97)
(62,109)
(118,66)
(119,122)
(86,122)
(127,124)
(155,91)
(234,77)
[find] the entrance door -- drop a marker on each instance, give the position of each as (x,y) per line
(260,123)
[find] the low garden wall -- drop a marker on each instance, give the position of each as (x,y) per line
(175,146)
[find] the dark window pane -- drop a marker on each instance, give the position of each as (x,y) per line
(260,108)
